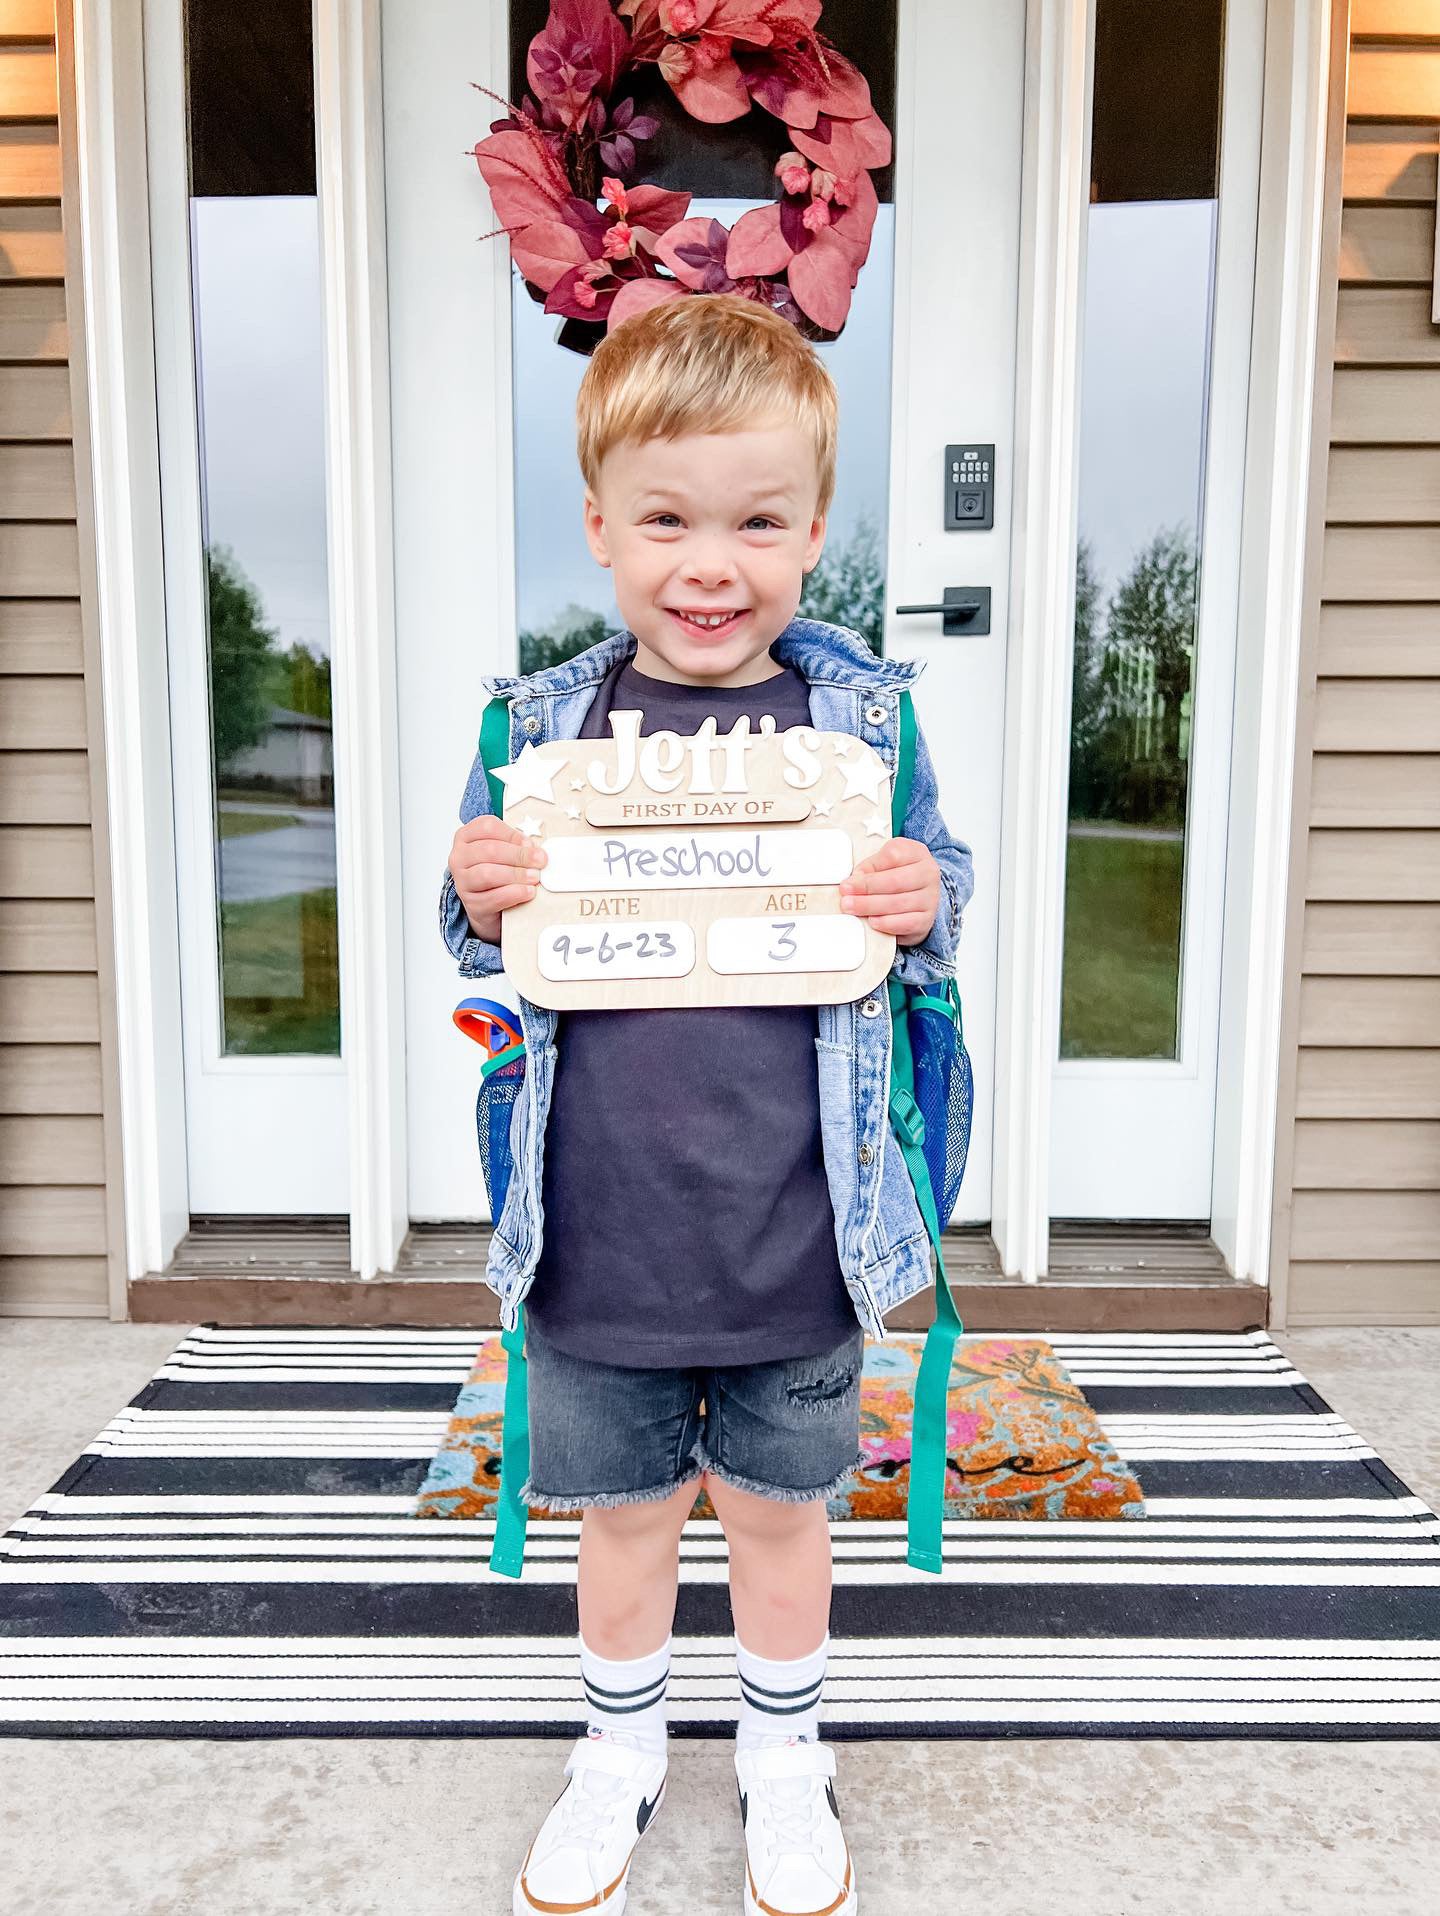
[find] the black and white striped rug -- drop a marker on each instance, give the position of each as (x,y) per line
(235,1555)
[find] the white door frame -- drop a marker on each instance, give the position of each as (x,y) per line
(1268,629)
(115,242)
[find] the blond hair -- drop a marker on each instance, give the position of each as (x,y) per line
(705,362)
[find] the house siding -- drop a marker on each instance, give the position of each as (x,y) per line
(1358,1155)
(58,1197)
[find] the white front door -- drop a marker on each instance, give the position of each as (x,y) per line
(492,573)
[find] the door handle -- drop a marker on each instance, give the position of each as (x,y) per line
(966,608)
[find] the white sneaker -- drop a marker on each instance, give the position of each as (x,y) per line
(581,1853)
(797,1862)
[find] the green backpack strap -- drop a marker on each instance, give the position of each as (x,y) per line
(925,1504)
(507,1552)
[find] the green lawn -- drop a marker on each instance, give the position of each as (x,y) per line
(1120,982)
(280,968)
(242,824)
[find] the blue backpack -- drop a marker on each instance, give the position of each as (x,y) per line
(931,1098)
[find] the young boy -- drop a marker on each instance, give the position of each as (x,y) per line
(708,1241)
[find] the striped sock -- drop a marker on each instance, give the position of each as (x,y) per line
(625,1697)
(779,1699)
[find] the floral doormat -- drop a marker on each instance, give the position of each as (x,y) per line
(1023,1441)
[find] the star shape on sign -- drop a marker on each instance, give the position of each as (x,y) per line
(531,827)
(573,811)
(577,784)
(840,746)
(876,827)
(530,775)
(824,806)
(864,775)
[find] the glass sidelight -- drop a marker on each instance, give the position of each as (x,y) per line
(255,289)
(1145,389)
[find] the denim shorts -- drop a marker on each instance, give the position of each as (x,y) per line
(603,1435)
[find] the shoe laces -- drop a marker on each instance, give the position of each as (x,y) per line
(790,1809)
(593,1799)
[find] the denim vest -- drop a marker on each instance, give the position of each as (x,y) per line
(884,1251)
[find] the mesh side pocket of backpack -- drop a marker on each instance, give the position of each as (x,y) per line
(944,1091)
(494,1109)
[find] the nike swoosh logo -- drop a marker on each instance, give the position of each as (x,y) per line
(643,1815)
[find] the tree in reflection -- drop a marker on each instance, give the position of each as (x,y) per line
(1130,743)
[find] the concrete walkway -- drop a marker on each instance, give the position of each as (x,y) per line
(430,1827)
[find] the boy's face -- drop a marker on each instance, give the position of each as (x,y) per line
(719,521)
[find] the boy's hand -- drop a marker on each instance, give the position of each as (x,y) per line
(494,865)
(896,889)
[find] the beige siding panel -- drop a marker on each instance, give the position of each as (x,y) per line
(29,162)
(37,482)
(52,1151)
(1363,1083)
(1386,326)
(54,1287)
(43,715)
(1379,715)
(27,19)
(1367,641)
(43,561)
(42,636)
(1398,408)
(45,788)
(1364,1293)
(50,1078)
(32,322)
(1399,940)
(52,1220)
(1391,865)
(48,934)
(1395,163)
(1394,83)
(1381,562)
(1371,1224)
(45,861)
(34,402)
(1358,788)
(1370,1011)
(27,84)
(1386,243)
(1377,1155)
(39,1008)
(32,244)
(1393,20)
(1394,484)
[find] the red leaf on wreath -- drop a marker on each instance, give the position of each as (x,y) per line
(638,294)
(578,54)
(655,208)
(757,245)
(820,278)
(695,253)
(532,197)
(845,146)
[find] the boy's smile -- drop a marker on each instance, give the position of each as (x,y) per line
(709,537)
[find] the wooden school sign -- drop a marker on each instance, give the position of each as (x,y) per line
(696,871)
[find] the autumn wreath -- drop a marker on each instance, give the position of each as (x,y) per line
(596,247)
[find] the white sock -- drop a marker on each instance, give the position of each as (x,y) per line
(779,1698)
(625,1697)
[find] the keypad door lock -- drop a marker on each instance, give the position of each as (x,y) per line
(969,488)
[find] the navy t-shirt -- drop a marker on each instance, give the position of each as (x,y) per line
(687,1214)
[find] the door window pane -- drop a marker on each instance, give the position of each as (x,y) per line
(563,598)
(255,279)
(1145,384)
